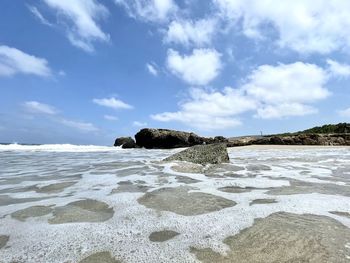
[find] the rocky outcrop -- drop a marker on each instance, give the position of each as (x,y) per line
(166,139)
(306,139)
(217,139)
(125,142)
(203,154)
(241,141)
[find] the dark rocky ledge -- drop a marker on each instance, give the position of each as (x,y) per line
(298,139)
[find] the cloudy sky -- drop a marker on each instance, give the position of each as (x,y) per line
(87,71)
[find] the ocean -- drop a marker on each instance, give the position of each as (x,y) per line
(68,203)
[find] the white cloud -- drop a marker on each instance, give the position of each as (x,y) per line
(37,107)
(199,68)
(303,25)
(284,110)
(14,61)
(210,110)
(139,124)
(149,10)
(112,103)
(39,16)
(186,32)
(286,89)
(344,113)
(338,69)
(42,108)
(110,118)
(270,91)
(82,126)
(152,69)
(81,19)
(287,83)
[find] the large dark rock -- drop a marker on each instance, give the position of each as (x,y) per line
(203,154)
(125,142)
(166,139)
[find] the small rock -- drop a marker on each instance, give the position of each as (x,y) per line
(125,142)
(203,154)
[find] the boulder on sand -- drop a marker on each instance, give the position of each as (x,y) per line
(125,142)
(203,154)
(166,139)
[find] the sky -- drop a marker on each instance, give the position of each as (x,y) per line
(88,71)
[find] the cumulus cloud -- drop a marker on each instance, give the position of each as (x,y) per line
(152,69)
(112,103)
(198,68)
(14,61)
(188,32)
(149,10)
(269,91)
(305,26)
(81,19)
(286,89)
(287,83)
(210,110)
(37,107)
(344,113)
(110,118)
(338,69)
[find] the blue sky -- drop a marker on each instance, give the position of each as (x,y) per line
(87,71)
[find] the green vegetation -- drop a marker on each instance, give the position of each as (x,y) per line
(325,129)
(330,128)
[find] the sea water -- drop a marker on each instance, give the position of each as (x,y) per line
(67,203)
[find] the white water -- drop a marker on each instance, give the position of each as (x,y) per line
(97,170)
(58,148)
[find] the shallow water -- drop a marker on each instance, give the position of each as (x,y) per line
(65,203)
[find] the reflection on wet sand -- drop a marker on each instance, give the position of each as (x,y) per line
(82,211)
(284,237)
(179,200)
(100,257)
(162,236)
(3,240)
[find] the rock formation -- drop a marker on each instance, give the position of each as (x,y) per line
(306,139)
(125,142)
(333,135)
(166,139)
(203,154)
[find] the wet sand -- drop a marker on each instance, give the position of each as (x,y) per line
(3,240)
(100,257)
(285,237)
(82,211)
(162,236)
(183,202)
